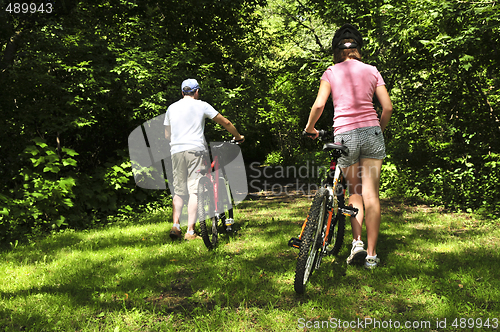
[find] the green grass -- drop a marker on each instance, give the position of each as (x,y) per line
(132,277)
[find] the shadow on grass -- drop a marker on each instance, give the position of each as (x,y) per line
(92,272)
(114,270)
(428,269)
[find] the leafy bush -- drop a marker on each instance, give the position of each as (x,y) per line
(43,196)
(462,186)
(50,192)
(274,158)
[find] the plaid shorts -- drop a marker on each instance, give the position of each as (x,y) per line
(366,142)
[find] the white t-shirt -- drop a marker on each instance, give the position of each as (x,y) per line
(186,119)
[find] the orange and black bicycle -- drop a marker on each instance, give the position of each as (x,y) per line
(322,233)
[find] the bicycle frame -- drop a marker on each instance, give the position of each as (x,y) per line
(331,183)
(214,206)
(336,186)
(214,172)
(325,220)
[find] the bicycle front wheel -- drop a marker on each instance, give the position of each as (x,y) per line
(225,207)
(206,213)
(310,247)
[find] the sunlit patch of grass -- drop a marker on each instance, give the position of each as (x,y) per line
(132,277)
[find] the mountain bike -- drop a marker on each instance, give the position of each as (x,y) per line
(215,208)
(322,232)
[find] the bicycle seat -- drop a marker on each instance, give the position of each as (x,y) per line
(336,146)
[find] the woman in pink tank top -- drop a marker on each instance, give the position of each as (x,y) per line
(352,85)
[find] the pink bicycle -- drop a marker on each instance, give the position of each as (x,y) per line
(215,208)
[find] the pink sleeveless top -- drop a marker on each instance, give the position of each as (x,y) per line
(353,84)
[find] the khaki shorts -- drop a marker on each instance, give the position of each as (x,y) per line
(366,142)
(186,171)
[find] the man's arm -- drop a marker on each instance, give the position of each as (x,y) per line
(167,132)
(228,126)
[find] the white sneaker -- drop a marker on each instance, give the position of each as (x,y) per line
(371,262)
(358,253)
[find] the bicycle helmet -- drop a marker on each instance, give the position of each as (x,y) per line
(347,31)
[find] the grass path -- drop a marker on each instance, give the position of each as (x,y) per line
(131,277)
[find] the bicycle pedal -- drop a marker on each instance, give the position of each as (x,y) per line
(294,242)
(229,222)
(349,211)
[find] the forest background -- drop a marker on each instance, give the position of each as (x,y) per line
(75,82)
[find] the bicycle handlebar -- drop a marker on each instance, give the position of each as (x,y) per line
(237,142)
(322,134)
(233,141)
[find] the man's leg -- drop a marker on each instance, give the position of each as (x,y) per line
(192,211)
(177,204)
(180,192)
(193,169)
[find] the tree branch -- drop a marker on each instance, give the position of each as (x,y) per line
(294,18)
(10,51)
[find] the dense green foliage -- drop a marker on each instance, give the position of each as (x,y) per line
(440,61)
(443,70)
(77,81)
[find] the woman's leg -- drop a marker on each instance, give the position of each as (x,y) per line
(353,177)
(370,179)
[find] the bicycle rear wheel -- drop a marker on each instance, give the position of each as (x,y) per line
(206,213)
(310,247)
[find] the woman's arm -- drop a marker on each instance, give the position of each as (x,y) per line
(317,108)
(385,101)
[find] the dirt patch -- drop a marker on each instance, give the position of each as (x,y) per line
(399,206)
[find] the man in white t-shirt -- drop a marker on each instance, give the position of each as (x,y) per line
(184,127)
